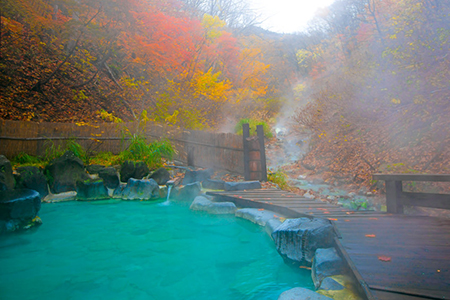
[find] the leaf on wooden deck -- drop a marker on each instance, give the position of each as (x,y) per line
(370,235)
(384,258)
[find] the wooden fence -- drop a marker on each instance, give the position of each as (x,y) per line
(222,151)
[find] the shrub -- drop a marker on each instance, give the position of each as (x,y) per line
(150,153)
(253,123)
(23,159)
(279,177)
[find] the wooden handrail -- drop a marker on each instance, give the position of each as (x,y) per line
(396,198)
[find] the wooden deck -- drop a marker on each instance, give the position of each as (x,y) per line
(418,247)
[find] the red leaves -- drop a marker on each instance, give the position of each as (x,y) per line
(384,258)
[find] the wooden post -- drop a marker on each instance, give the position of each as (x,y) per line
(394,189)
(246,135)
(262,149)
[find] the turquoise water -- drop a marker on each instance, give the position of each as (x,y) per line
(142,250)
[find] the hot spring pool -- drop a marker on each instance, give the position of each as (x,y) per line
(142,250)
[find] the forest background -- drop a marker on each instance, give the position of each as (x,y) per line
(369,80)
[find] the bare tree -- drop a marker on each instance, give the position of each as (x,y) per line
(236,13)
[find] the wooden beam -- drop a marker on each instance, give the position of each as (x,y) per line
(412,177)
(245,136)
(426,200)
(393,193)
(262,149)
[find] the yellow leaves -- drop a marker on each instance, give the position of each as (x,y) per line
(87,124)
(396,101)
(209,85)
(144,118)
(172,118)
(212,26)
(108,116)
(80,96)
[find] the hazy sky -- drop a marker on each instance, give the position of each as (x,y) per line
(287,15)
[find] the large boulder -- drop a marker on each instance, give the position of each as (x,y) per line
(19,204)
(138,189)
(94,169)
(200,203)
(64,172)
(189,191)
(331,284)
(213,184)
(91,190)
(243,185)
(133,169)
(6,174)
(32,178)
(110,177)
(221,208)
(61,197)
(258,216)
(161,176)
(298,239)
(272,225)
(301,294)
(194,176)
(326,263)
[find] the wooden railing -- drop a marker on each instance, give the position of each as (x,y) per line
(396,198)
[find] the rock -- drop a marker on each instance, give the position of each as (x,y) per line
(309,196)
(161,176)
(139,189)
(260,217)
(189,191)
(297,240)
(133,169)
(91,190)
(118,191)
(32,178)
(110,177)
(221,208)
(200,203)
(6,174)
(301,294)
(213,184)
(331,198)
(243,185)
(19,204)
(61,197)
(362,191)
(194,176)
(339,287)
(318,181)
(351,195)
(326,263)
(330,284)
(163,192)
(272,225)
(63,172)
(94,169)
